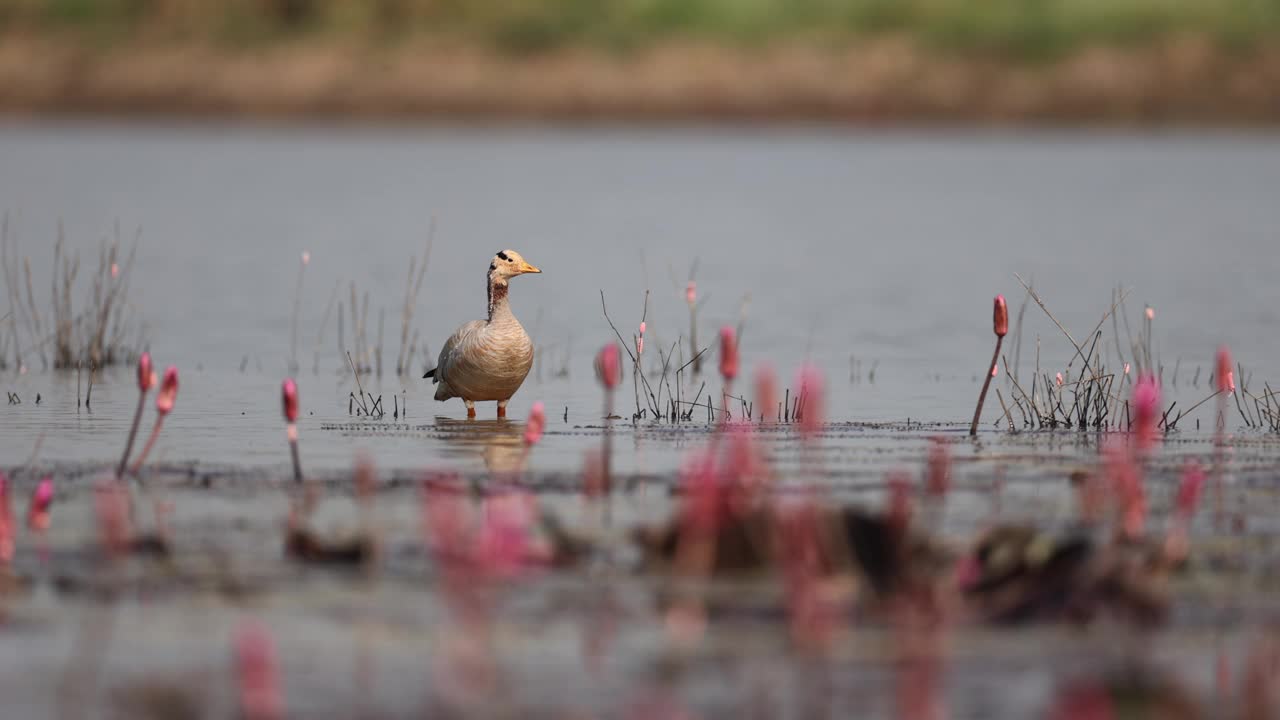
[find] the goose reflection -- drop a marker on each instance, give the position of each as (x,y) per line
(499,443)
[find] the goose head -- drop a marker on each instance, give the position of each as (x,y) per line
(508,264)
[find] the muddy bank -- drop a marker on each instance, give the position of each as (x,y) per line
(1179,81)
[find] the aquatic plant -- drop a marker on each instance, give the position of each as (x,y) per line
(289,397)
(38,509)
(261,697)
(165,399)
(536,423)
(1000,325)
(146,379)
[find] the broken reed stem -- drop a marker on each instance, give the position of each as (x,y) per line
(293,453)
(133,433)
(977,413)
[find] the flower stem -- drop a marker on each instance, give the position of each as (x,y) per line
(977,413)
(133,433)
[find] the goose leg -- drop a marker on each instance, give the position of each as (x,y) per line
(471,408)
(502,408)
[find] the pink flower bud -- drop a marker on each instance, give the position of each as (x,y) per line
(1146,410)
(6,523)
(1225,377)
(146,378)
(691,292)
(1059,379)
(640,341)
(1001,319)
(1151,313)
(306,257)
(290,393)
(728,354)
(115,270)
(260,697)
(608,366)
(810,382)
(1126,368)
(642,328)
(535,425)
(995,369)
(168,391)
(38,508)
(1189,490)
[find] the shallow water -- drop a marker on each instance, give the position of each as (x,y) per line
(874,256)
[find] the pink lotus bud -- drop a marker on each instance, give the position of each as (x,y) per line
(1146,409)
(642,324)
(1059,379)
(115,270)
(1189,490)
(290,395)
(306,257)
(938,468)
(608,367)
(168,391)
(691,292)
(640,341)
(38,508)
(1225,377)
(146,378)
(536,424)
(728,354)
(766,390)
(260,696)
(6,523)
(1126,368)
(1001,319)
(811,399)
(1151,313)
(995,369)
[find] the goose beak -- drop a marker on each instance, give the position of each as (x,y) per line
(527,268)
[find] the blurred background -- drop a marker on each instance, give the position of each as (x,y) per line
(846,60)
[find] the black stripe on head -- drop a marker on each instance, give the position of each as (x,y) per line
(503,255)
(493,266)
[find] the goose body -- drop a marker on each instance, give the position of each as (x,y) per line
(488,359)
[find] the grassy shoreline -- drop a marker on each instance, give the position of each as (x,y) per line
(1185,79)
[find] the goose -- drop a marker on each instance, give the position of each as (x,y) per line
(487,359)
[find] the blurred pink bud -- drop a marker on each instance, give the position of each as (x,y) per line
(995,369)
(168,391)
(811,399)
(290,396)
(766,390)
(1225,376)
(1146,409)
(115,270)
(608,366)
(728,354)
(146,378)
(6,523)
(535,425)
(640,340)
(1001,319)
(260,696)
(1059,379)
(306,257)
(642,324)
(938,468)
(502,545)
(1189,490)
(1151,313)
(1126,368)
(111,505)
(691,292)
(38,508)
